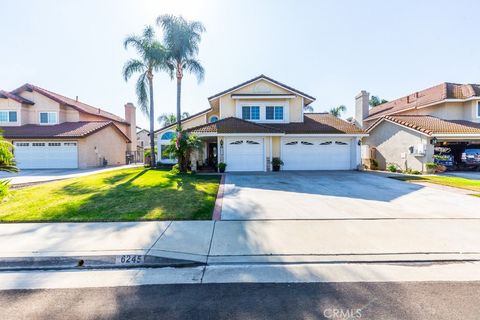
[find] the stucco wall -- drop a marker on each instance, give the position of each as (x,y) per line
(109,144)
(12,105)
(391,140)
(42,104)
(276,147)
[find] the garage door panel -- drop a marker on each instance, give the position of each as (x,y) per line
(244,154)
(316,154)
(46,155)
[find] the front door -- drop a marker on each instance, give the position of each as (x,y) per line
(212,154)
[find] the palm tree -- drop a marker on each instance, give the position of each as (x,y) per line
(168,119)
(7,160)
(308,108)
(152,59)
(181,38)
(337,111)
(376,101)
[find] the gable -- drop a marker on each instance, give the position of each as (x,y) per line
(261,87)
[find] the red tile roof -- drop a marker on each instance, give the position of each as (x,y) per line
(432,125)
(185,119)
(63,130)
(314,123)
(425,97)
(8,95)
(80,106)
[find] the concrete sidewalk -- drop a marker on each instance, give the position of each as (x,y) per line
(226,242)
(45,175)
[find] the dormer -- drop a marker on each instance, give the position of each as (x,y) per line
(261,99)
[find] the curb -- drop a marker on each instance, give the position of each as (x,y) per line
(217,211)
(92,262)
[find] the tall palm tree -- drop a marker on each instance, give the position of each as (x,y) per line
(152,58)
(337,111)
(308,108)
(168,119)
(181,38)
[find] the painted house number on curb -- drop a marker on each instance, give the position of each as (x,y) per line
(129,259)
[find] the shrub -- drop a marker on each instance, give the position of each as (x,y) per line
(276,164)
(392,168)
(222,166)
(175,169)
(431,165)
(4,185)
(373,164)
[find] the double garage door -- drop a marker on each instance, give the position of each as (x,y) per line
(316,154)
(248,154)
(46,154)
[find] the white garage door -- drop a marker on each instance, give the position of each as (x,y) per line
(46,154)
(316,154)
(244,154)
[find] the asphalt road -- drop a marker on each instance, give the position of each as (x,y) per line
(410,300)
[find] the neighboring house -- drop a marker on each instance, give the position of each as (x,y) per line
(251,123)
(407,131)
(143,139)
(49,130)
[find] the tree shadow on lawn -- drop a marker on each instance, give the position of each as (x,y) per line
(180,197)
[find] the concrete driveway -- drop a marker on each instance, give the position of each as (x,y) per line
(338,195)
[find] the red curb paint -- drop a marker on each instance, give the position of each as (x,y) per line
(217,210)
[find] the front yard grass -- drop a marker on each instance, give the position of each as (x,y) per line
(119,195)
(456,182)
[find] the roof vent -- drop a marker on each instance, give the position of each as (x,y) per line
(76,98)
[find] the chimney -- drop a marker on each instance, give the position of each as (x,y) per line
(361,107)
(130,118)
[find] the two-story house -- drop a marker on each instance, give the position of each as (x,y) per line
(251,123)
(408,131)
(49,130)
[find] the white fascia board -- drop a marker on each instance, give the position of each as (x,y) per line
(252,134)
(454,135)
(336,135)
(266,96)
(398,124)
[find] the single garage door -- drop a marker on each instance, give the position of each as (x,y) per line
(244,154)
(46,154)
(316,154)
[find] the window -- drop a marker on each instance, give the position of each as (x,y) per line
(168,136)
(22,144)
(164,154)
(478,109)
(8,116)
(305,143)
(213,119)
(54,144)
(70,144)
(326,143)
(237,142)
(341,143)
(38,144)
(291,143)
(252,142)
(274,113)
(48,117)
(250,112)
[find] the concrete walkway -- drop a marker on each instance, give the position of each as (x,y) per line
(220,242)
(44,175)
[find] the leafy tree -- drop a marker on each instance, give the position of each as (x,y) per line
(152,58)
(7,160)
(182,146)
(337,111)
(308,108)
(168,119)
(182,38)
(376,101)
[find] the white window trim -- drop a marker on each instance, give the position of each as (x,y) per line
(8,121)
(477,109)
(274,106)
(285,104)
(48,123)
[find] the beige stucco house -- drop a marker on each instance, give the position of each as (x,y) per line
(409,131)
(248,125)
(49,130)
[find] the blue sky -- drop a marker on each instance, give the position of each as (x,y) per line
(328,49)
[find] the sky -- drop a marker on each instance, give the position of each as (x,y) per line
(328,49)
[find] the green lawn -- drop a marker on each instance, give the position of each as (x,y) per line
(120,195)
(469,184)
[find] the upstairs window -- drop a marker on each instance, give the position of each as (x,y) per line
(478,109)
(274,113)
(213,119)
(8,116)
(250,112)
(48,117)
